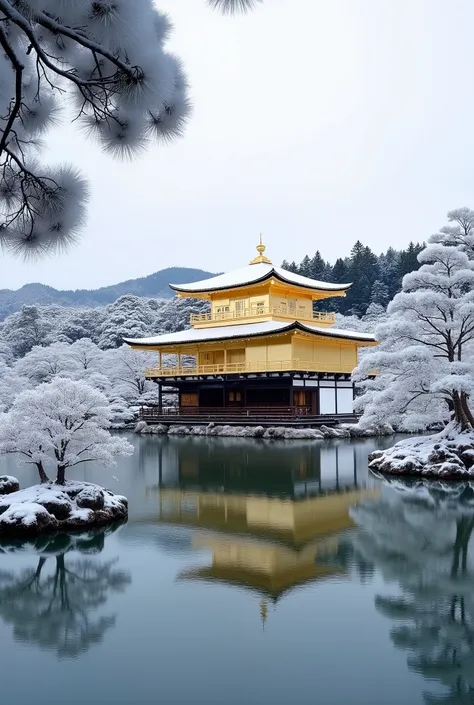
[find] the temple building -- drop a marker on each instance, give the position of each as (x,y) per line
(262,350)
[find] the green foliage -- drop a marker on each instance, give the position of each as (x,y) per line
(375,278)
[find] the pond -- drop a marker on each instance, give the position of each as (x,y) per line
(249,573)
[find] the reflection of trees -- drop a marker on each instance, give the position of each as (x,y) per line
(54,603)
(420,538)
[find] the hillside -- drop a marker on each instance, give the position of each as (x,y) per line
(154,285)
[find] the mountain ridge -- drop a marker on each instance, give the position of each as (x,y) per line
(154,285)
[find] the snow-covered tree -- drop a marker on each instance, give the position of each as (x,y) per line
(126,370)
(106,61)
(6,353)
(25,329)
(11,384)
(379,294)
(42,364)
(424,361)
(64,423)
(86,354)
(461,234)
(130,317)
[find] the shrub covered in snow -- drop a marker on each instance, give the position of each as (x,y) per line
(49,508)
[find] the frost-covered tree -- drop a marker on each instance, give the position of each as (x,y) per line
(130,317)
(6,352)
(42,364)
(11,384)
(379,294)
(25,329)
(86,354)
(107,62)
(63,423)
(126,370)
(460,234)
(424,361)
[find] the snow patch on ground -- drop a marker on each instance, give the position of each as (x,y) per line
(50,507)
(448,454)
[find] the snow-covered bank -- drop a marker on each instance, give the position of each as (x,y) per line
(50,507)
(449,454)
(273,432)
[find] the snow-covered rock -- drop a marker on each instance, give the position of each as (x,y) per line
(449,454)
(159,429)
(50,507)
(179,431)
(140,427)
(8,484)
(286,433)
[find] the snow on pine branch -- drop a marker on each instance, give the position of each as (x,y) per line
(106,60)
(231,6)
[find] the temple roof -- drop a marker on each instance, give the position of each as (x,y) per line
(253,274)
(249,330)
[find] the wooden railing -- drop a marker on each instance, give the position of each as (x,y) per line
(226,411)
(255,312)
(248,367)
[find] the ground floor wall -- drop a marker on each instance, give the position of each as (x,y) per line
(330,395)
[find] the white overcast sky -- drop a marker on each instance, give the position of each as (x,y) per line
(317,122)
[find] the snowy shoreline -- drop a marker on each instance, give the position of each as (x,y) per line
(50,507)
(273,432)
(448,455)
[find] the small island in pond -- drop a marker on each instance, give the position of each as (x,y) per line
(59,425)
(50,507)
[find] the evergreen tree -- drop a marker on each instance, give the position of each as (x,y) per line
(379,294)
(305,267)
(318,267)
(408,261)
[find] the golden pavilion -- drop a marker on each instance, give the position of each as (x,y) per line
(263,350)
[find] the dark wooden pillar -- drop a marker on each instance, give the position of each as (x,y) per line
(160,397)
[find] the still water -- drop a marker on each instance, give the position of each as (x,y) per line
(249,573)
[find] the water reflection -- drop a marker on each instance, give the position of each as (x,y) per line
(272,516)
(53,602)
(420,537)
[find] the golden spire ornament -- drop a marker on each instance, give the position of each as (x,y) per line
(260,257)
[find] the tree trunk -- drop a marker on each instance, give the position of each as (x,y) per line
(466,409)
(42,474)
(459,413)
(61,476)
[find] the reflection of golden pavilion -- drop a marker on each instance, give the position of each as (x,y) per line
(263,543)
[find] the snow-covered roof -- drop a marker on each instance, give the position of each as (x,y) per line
(249,330)
(253,274)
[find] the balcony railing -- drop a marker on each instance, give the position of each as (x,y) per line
(248,367)
(255,312)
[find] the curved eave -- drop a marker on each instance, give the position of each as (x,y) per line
(272,274)
(354,337)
